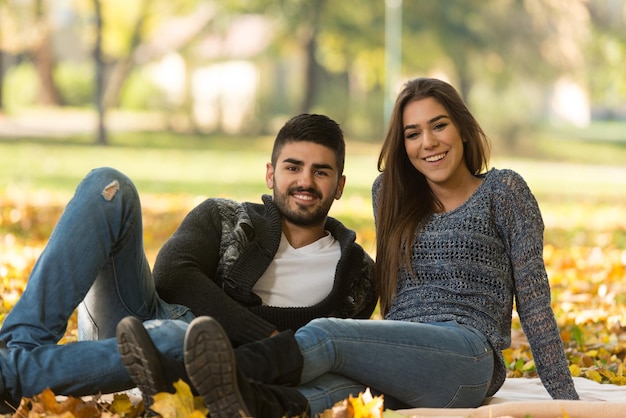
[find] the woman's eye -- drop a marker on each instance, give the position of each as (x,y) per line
(440,126)
(412,135)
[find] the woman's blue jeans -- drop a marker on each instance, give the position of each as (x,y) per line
(438,365)
(95,255)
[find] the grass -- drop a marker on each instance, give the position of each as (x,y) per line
(170,163)
(189,167)
(583,177)
(212,166)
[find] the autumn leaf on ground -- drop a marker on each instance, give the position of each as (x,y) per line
(366,405)
(124,407)
(46,405)
(585,260)
(180,404)
(363,406)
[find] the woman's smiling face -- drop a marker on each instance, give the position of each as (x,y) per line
(433,143)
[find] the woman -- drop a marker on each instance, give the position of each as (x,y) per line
(479,239)
(456,246)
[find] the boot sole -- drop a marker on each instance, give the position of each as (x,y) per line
(140,358)
(211,367)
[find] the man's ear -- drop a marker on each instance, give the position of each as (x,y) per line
(340,186)
(269,175)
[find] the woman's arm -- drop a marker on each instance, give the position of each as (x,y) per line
(523,226)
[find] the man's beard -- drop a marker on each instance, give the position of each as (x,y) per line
(304,216)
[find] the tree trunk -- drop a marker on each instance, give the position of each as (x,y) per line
(310,81)
(464,81)
(125,66)
(1,80)
(310,63)
(99,80)
(43,58)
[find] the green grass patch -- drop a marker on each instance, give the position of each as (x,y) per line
(199,166)
(159,163)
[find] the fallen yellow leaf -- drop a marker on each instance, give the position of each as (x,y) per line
(180,404)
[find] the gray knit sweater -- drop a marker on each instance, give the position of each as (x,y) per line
(471,262)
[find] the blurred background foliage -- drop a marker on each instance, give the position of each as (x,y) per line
(243,66)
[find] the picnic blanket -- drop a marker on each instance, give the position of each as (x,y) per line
(527,398)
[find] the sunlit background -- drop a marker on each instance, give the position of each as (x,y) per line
(185,96)
(243,66)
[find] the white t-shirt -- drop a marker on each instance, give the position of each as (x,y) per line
(300,277)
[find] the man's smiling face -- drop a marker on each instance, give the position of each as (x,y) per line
(305,182)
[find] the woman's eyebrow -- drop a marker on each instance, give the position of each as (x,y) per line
(435,119)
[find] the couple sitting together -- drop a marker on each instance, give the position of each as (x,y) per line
(263,308)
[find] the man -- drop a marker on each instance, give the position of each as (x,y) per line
(261,268)
(258,268)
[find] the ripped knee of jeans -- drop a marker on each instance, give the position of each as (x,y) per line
(109,191)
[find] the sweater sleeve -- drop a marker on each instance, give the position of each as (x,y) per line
(375,196)
(523,233)
(185,274)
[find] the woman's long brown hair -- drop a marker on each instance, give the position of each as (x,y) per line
(405,199)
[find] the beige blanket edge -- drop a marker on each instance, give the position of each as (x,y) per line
(527,398)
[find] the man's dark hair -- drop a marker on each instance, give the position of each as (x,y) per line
(319,129)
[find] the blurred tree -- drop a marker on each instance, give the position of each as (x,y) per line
(498,39)
(497,42)
(313,11)
(3,12)
(125,63)
(1,75)
(134,34)
(605,57)
(43,55)
(101,138)
(352,43)
(179,32)
(340,47)
(328,56)
(299,22)
(26,30)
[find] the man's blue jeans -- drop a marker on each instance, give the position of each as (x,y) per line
(95,254)
(420,365)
